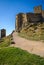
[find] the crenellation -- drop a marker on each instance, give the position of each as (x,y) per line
(38,9)
(22,19)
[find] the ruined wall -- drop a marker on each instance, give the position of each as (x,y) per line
(20,21)
(0,34)
(23,19)
(17,23)
(38,9)
(43,13)
(34,17)
(3,33)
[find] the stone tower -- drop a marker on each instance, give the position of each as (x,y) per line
(20,21)
(2,33)
(38,9)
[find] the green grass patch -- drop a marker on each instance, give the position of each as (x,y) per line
(6,41)
(34,37)
(16,56)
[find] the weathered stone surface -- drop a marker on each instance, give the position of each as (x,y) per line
(23,19)
(3,33)
(38,9)
(43,15)
(20,21)
(34,17)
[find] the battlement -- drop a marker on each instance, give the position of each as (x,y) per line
(23,19)
(38,9)
(43,13)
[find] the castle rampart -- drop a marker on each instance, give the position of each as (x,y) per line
(43,13)
(38,9)
(22,19)
(2,33)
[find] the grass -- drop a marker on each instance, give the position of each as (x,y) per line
(16,56)
(33,32)
(6,41)
(34,37)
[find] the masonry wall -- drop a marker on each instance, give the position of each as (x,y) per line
(38,9)
(34,17)
(19,21)
(3,33)
(43,13)
(0,34)
(22,19)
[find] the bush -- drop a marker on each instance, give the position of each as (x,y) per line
(34,32)
(6,41)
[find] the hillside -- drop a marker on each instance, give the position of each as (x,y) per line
(16,56)
(33,31)
(6,41)
(31,24)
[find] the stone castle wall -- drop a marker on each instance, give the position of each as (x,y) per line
(33,17)
(43,13)
(22,19)
(2,33)
(19,19)
(38,9)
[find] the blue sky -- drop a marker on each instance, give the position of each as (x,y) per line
(9,9)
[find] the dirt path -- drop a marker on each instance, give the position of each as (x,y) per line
(34,47)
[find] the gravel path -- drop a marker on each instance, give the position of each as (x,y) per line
(34,47)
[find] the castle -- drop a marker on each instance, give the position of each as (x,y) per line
(22,19)
(2,33)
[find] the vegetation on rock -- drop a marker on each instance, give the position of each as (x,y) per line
(33,31)
(6,41)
